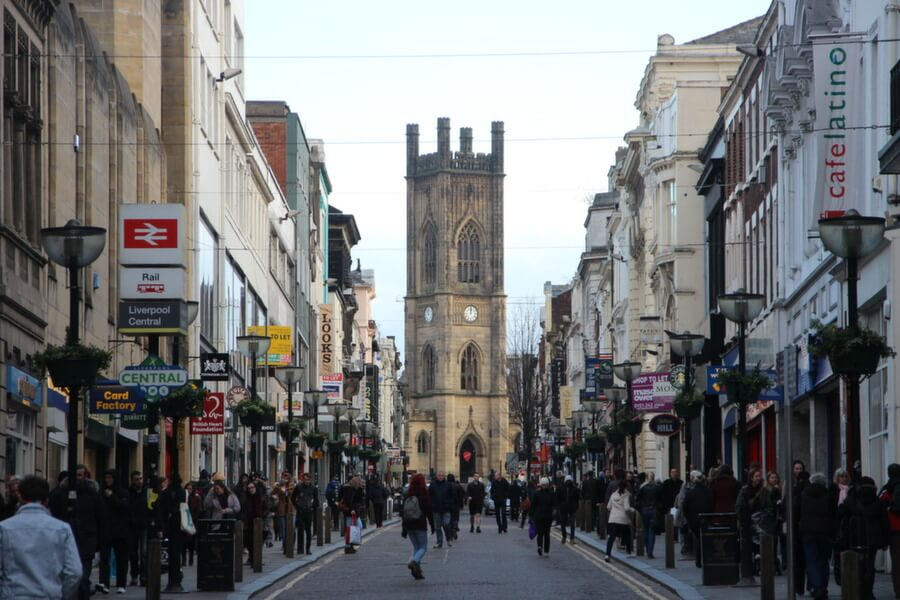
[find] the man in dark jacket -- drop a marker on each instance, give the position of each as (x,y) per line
(886,494)
(697,501)
(817,518)
(476,493)
(543,503)
(567,497)
(459,499)
(331,497)
(115,499)
(169,508)
(377,494)
(305,499)
(515,499)
(138,520)
(442,498)
(865,529)
(89,525)
(499,494)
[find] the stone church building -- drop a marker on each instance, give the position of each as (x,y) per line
(455,306)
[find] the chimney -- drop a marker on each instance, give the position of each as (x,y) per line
(497,146)
(443,133)
(465,140)
(412,148)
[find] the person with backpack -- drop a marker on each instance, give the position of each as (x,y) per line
(305,499)
(417,516)
(890,496)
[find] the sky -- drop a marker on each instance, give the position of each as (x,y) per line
(562,77)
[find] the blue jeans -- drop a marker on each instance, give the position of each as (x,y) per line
(817,553)
(442,525)
(649,515)
(419,539)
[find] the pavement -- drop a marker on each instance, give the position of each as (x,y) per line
(685,580)
(276,566)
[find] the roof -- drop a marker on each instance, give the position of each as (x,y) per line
(742,33)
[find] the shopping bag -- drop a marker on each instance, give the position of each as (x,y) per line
(532,530)
(355,533)
(187,521)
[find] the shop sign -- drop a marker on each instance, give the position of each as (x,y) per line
(214,366)
(280,353)
(652,392)
(212,422)
(23,387)
(115,400)
(237,394)
(134,421)
(665,425)
(326,340)
(333,386)
(154,378)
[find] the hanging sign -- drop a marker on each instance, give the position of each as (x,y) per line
(212,422)
(665,425)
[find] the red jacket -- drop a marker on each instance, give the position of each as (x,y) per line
(893,518)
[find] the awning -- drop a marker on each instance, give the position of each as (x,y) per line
(730,419)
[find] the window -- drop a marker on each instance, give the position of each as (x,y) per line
(429,256)
(429,364)
(468,255)
(672,197)
(469,369)
(206,274)
(422,443)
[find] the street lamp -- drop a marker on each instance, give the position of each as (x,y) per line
(252,346)
(851,237)
(742,307)
(615,395)
(687,345)
(337,410)
(314,399)
(593,408)
(289,376)
(73,246)
(627,371)
(559,431)
(352,414)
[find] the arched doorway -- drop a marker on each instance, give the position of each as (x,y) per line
(467,460)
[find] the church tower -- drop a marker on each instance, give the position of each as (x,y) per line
(455,305)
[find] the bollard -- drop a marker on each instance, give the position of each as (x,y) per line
(670,541)
(601,521)
(153,568)
(638,533)
(289,536)
(767,567)
(327,524)
(256,546)
(850,575)
(317,526)
(238,551)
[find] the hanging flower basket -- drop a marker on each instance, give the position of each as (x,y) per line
(186,401)
(850,352)
(688,405)
(336,446)
(743,388)
(315,440)
(73,366)
(576,449)
(614,435)
(631,426)
(594,442)
(351,451)
(289,429)
(253,412)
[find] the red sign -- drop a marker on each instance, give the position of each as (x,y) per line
(213,420)
(467,455)
(150,234)
(545,454)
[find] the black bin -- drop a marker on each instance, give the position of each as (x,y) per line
(720,551)
(215,555)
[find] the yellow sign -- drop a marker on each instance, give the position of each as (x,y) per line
(280,349)
(566,400)
(317,454)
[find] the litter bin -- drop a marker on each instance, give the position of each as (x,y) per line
(719,548)
(215,555)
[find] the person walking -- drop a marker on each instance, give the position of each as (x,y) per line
(697,501)
(515,499)
(817,527)
(567,497)
(305,499)
(221,502)
(378,497)
(840,490)
(886,495)
(115,499)
(442,499)
(138,519)
(39,558)
(459,500)
(619,524)
(169,507)
(331,494)
(252,508)
(864,528)
(755,511)
(543,505)
(499,494)
(417,515)
(649,501)
(476,493)
(352,503)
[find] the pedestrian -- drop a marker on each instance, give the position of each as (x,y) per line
(697,501)
(649,501)
(305,499)
(352,503)
(138,519)
(817,528)
(476,493)
(416,517)
(527,496)
(221,502)
(39,558)
(442,499)
(515,499)
(865,529)
(279,501)
(12,501)
(613,484)
(567,498)
(543,505)
(619,526)
(725,489)
(88,523)
(378,497)
(459,499)
(755,512)
(170,501)
(590,490)
(687,538)
(889,491)
(840,487)
(331,494)
(499,494)
(252,508)
(798,569)
(115,499)
(773,484)
(195,506)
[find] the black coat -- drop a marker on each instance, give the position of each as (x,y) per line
(863,520)
(117,512)
(543,503)
(138,512)
(567,497)
(697,500)
(90,516)
(817,512)
(500,491)
(169,510)
(442,496)
(670,489)
(650,495)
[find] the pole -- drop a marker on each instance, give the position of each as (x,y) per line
(689,388)
(745,528)
(853,431)
(628,389)
(74,393)
(316,429)
(788,418)
(254,443)
(289,455)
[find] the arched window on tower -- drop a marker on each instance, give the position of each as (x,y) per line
(429,256)
(422,443)
(429,367)
(468,254)
(468,370)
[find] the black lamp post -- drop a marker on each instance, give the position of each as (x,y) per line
(289,376)
(593,408)
(74,247)
(252,346)
(336,410)
(742,307)
(315,399)
(627,372)
(352,414)
(687,345)
(559,434)
(851,237)
(615,395)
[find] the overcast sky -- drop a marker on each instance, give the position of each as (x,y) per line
(358,71)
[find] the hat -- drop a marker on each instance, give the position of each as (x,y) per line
(204,474)
(217,476)
(545,481)
(569,478)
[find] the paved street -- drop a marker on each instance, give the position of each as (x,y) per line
(488,565)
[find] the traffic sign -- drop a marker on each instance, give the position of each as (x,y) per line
(151,234)
(154,378)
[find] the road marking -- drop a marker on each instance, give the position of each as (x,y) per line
(640,588)
(318,565)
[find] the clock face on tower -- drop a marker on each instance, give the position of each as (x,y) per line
(470,313)
(429,314)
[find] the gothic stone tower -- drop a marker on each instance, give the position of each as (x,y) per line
(455,305)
